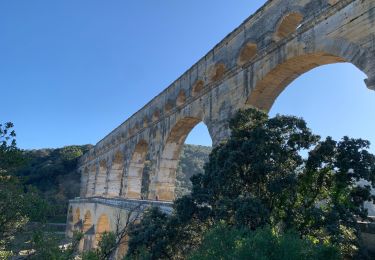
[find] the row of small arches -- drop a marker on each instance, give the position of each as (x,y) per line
(116,177)
(86,225)
(288,25)
(93,233)
(104,179)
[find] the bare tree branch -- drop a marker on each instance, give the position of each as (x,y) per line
(124,218)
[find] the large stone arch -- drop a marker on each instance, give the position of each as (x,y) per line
(87,229)
(76,216)
(85,173)
(115,175)
(293,62)
(163,183)
(135,170)
(77,223)
(101,178)
(87,221)
(102,226)
(90,187)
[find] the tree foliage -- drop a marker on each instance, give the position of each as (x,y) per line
(18,203)
(10,155)
(149,235)
(54,173)
(260,177)
(45,168)
(46,245)
(105,250)
(223,242)
(23,176)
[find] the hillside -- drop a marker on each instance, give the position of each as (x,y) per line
(53,172)
(192,160)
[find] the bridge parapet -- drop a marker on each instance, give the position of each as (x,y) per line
(96,215)
(126,204)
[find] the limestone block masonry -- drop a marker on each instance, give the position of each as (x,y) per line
(249,67)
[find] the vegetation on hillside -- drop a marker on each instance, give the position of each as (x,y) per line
(263,243)
(19,203)
(30,185)
(192,161)
(53,172)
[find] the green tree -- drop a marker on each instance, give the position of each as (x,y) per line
(259,178)
(46,245)
(54,173)
(105,249)
(18,203)
(10,156)
(223,242)
(151,235)
(12,213)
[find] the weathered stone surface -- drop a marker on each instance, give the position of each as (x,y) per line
(113,185)
(94,216)
(249,67)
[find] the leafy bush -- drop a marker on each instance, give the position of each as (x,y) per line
(223,242)
(46,245)
(18,203)
(259,178)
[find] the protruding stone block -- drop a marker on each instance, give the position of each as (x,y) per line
(370,83)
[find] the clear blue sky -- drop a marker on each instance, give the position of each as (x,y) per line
(71,71)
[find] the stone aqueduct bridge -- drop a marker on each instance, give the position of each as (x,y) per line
(249,67)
